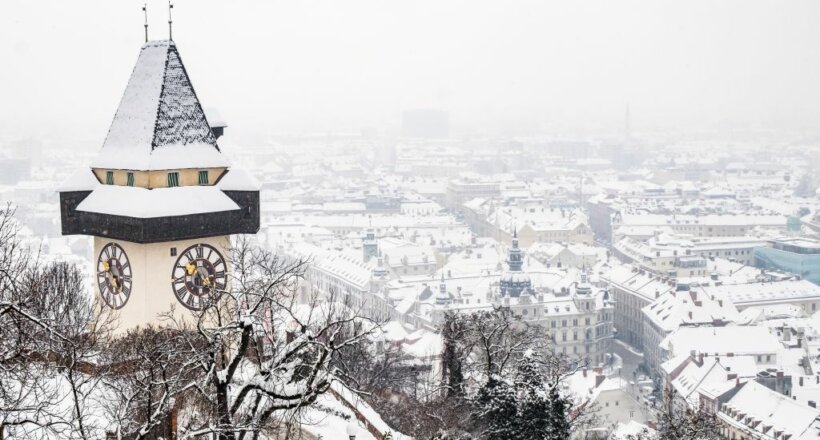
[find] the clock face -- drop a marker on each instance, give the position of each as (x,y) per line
(198,276)
(114,276)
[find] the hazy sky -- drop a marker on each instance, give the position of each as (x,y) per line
(320,65)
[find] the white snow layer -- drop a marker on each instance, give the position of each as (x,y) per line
(130,201)
(133,125)
(168,157)
(238,180)
(81,180)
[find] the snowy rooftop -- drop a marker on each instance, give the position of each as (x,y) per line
(159,123)
(738,340)
(765,293)
(770,411)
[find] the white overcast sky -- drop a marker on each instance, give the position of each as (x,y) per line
(331,65)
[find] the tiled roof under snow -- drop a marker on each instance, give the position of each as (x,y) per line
(159,123)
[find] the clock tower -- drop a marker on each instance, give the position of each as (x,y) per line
(160,199)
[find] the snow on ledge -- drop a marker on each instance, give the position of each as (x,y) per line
(138,202)
(169,157)
(81,180)
(238,180)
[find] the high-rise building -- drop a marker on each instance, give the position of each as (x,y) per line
(160,199)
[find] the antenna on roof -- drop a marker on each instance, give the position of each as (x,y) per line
(145,14)
(170,22)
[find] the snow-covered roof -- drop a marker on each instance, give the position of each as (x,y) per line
(738,340)
(238,180)
(159,123)
(81,180)
(760,409)
(778,292)
(215,118)
(136,202)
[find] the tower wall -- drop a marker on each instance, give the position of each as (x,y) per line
(151,265)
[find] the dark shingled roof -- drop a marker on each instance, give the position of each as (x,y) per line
(159,123)
(180,118)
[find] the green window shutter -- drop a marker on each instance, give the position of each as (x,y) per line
(203,177)
(173,179)
(109,177)
(130,179)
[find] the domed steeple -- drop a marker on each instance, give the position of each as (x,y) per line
(583,287)
(514,281)
(442,297)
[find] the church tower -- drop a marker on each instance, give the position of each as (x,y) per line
(514,281)
(160,199)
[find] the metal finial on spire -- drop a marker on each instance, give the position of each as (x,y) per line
(145,14)
(170,21)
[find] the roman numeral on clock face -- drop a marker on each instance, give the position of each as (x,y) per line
(197,276)
(114,276)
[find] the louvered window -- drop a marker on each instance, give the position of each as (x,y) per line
(129,179)
(173,179)
(109,177)
(203,177)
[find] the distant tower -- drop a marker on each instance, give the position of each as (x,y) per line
(160,198)
(583,287)
(378,275)
(442,297)
(370,245)
(514,281)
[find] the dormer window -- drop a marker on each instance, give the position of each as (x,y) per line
(109,177)
(173,179)
(203,177)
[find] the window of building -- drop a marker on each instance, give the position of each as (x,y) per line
(109,177)
(173,179)
(129,179)
(203,177)
(173,252)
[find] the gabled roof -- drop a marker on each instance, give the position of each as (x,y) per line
(159,123)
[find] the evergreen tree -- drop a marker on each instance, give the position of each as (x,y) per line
(559,428)
(534,407)
(496,399)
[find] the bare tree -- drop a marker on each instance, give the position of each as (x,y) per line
(49,333)
(678,420)
(262,356)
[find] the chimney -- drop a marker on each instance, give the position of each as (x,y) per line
(731,376)
(599,379)
(801,381)
(585,372)
(700,360)
(812,404)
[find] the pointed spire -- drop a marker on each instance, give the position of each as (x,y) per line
(159,114)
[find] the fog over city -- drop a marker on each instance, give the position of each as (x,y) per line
(409,220)
(497,67)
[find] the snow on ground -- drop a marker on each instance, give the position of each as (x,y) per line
(329,417)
